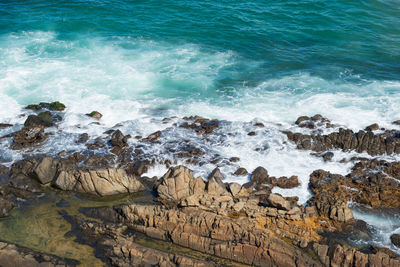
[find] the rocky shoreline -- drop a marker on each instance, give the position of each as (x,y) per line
(228,224)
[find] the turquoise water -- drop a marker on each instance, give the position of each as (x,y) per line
(242,61)
(237,60)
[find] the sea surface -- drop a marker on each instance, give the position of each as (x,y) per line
(242,62)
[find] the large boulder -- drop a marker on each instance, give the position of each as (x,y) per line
(118,139)
(45,170)
(42,119)
(179,183)
(102,182)
(279,202)
(259,176)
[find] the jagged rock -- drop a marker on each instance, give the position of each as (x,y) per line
(366,184)
(259,176)
(102,182)
(179,183)
(291,182)
(216,173)
(42,119)
(140,167)
(201,125)
(239,239)
(153,137)
(238,191)
(346,140)
(45,170)
(118,139)
(216,187)
(28,136)
(279,202)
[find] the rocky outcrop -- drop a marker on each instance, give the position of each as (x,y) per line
(56,106)
(239,240)
(340,256)
(179,183)
(102,182)
(387,142)
(363,187)
(200,125)
(27,137)
(45,170)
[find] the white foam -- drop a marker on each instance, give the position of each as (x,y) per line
(137,82)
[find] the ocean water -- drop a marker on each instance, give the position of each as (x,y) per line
(242,62)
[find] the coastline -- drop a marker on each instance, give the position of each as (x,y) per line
(234,223)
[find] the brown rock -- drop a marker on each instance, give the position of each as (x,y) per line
(102,182)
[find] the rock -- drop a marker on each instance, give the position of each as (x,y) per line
(83,138)
(102,182)
(97,143)
(57,106)
(372,127)
(42,119)
(140,167)
(215,186)
(240,172)
(28,136)
(154,136)
(395,238)
(216,173)
(178,183)
(238,239)
(118,139)
(346,140)
(45,170)
(327,156)
(234,159)
(95,114)
(5,125)
(284,182)
(234,188)
(301,119)
(259,176)
(279,202)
